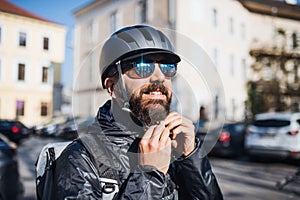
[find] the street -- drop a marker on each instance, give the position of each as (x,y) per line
(238,178)
(244,179)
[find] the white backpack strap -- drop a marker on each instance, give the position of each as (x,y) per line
(43,156)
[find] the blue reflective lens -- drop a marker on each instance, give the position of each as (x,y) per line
(144,70)
(169,70)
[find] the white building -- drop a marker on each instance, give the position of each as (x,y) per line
(94,23)
(225,29)
(31,52)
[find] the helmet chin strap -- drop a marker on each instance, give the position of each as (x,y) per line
(124,93)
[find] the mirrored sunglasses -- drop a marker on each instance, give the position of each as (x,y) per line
(138,70)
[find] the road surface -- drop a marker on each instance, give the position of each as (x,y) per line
(239,179)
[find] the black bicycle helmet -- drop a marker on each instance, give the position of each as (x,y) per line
(134,41)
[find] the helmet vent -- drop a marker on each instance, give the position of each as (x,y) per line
(162,37)
(146,34)
(126,37)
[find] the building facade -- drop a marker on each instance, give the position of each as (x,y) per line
(275,56)
(94,23)
(224,30)
(31,52)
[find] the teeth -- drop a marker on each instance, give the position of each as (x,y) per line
(155,93)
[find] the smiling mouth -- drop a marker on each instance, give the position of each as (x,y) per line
(157,94)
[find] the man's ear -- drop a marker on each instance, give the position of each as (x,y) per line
(109,84)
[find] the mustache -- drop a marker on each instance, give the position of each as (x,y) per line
(155,87)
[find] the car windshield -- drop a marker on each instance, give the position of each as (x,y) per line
(271,123)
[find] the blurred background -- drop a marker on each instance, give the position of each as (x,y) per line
(49,83)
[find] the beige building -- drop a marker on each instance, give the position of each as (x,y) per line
(31,52)
(225,30)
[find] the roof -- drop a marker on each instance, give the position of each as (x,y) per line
(10,8)
(273,8)
(90,5)
(276,115)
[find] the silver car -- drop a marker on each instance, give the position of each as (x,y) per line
(274,135)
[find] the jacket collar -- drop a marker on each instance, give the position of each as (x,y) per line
(113,120)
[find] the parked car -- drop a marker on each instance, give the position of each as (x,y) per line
(68,131)
(14,130)
(230,141)
(37,129)
(274,135)
(50,128)
(10,184)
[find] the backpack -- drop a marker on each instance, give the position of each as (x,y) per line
(45,169)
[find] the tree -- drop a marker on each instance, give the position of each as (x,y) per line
(275,85)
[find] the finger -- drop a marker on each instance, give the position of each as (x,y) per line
(158,130)
(164,137)
(148,133)
(176,116)
(188,130)
(174,123)
(176,131)
(172,116)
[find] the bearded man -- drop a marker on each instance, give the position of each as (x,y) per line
(136,148)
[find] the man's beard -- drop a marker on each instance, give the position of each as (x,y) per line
(150,111)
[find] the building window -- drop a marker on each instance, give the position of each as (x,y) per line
(143,9)
(215,17)
(46,43)
(243,31)
(113,22)
(231,26)
(92,31)
(231,64)
(44,109)
(21,72)
(22,39)
(0,69)
(244,66)
(233,108)
(45,72)
(216,56)
(171,12)
(20,105)
(90,67)
(216,108)
(295,41)
(0,34)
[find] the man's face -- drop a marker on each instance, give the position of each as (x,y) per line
(149,97)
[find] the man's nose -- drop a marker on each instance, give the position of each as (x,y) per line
(157,75)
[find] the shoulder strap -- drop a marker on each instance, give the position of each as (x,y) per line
(100,157)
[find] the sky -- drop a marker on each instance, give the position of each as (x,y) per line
(58,11)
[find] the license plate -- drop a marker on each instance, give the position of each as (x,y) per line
(267,135)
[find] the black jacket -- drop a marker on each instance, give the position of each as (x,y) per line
(107,150)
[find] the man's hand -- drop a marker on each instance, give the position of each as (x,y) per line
(155,147)
(182,133)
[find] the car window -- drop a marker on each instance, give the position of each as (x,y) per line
(271,123)
(239,128)
(4,125)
